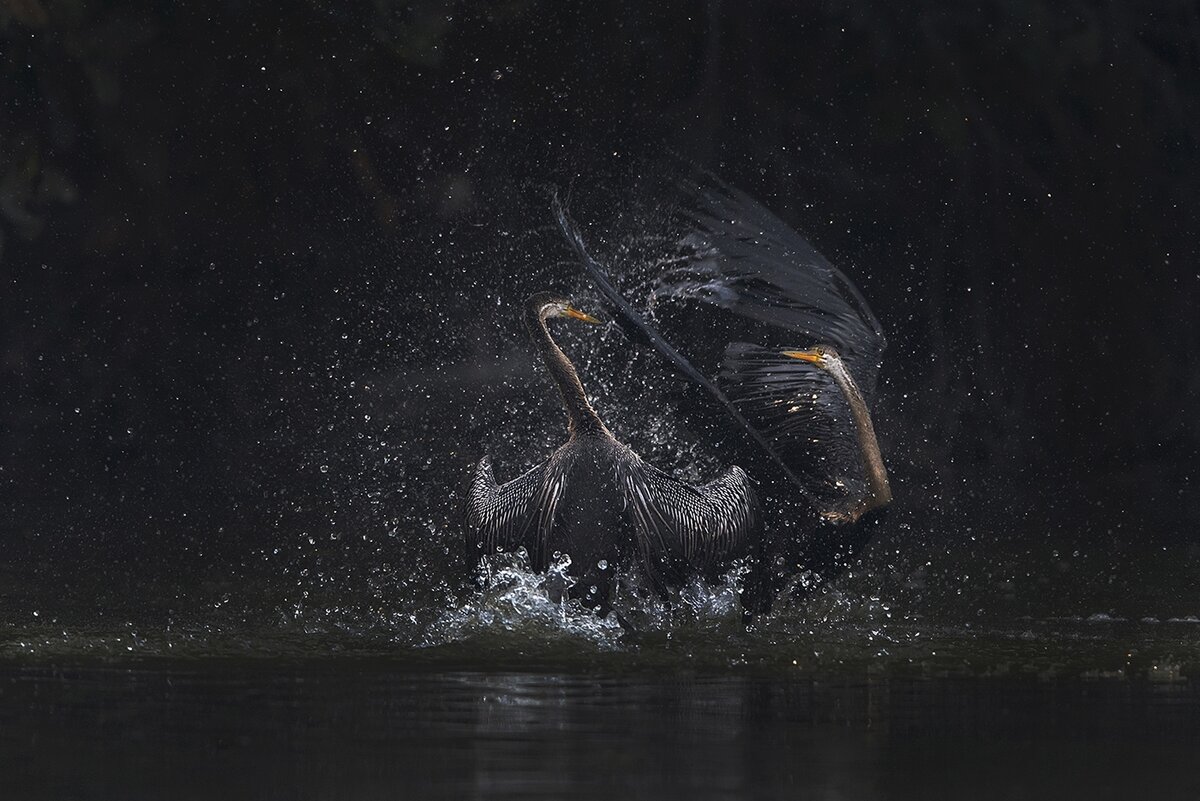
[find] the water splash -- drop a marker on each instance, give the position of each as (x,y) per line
(514,599)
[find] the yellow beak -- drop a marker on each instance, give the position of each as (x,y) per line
(804,356)
(571,311)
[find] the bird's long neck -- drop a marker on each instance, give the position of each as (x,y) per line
(581,417)
(877,477)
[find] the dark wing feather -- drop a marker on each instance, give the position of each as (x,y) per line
(676,522)
(632,319)
(499,515)
(739,256)
(518,513)
(804,414)
(778,290)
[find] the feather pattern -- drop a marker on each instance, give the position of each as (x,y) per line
(739,256)
(676,522)
(518,513)
(771,287)
(803,412)
(594,492)
(499,515)
(636,323)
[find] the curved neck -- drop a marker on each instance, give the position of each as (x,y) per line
(581,417)
(877,478)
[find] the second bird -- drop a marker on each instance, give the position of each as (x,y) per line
(597,501)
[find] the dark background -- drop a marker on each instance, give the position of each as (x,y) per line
(243,248)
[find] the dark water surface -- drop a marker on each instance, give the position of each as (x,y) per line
(378,731)
(1067,709)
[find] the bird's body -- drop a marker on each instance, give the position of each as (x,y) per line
(595,500)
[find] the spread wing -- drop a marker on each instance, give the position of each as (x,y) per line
(700,526)
(803,413)
(518,513)
(636,324)
(738,273)
(739,256)
(499,515)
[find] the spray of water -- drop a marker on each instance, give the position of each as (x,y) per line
(513,600)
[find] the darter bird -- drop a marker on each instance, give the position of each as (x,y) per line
(598,502)
(775,340)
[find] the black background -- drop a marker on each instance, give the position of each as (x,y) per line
(214,219)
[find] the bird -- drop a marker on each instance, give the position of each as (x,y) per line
(797,409)
(791,350)
(597,501)
(781,351)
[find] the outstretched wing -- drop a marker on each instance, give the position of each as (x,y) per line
(739,256)
(499,516)
(802,412)
(518,513)
(635,323)
(771,287)
(698,526)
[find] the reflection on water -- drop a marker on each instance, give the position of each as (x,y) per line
(373,731)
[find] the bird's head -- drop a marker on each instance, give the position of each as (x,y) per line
(544,305)
(820,355)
